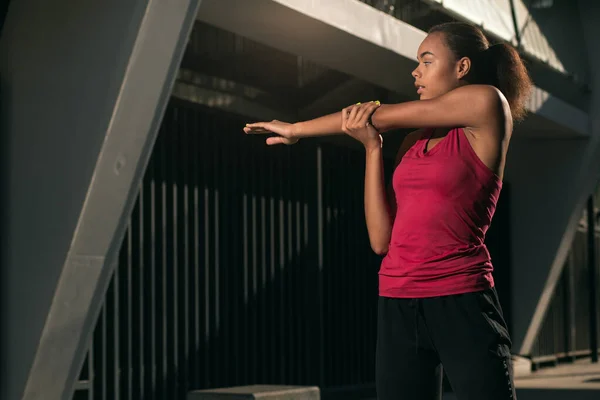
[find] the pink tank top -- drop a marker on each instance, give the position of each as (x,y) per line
(446,198)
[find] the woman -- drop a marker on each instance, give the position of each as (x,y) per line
(437,301)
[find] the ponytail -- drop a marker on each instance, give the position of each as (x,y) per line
(507,72)
(498,65)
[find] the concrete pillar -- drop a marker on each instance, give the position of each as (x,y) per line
(83,87)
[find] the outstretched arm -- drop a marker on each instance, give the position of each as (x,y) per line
(474,106)
(290,133)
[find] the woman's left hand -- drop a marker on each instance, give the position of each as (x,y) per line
(356,122)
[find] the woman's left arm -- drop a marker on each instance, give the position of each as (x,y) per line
(475,106)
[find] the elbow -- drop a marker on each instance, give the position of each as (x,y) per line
(380,241)
(380,249)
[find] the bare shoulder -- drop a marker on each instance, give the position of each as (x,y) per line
(407,143)
(487,100)
(491,117)
(483,93)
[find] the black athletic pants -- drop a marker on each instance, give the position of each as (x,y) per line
(464,333)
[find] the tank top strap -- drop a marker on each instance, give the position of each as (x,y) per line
(453,142)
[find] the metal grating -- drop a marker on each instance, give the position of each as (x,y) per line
(242,264)
(566,328)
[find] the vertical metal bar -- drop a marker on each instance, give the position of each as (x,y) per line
(158,279)
(254,298)
(281,280)
(572,304)
(330,270)
(236,239)
(104,372)
(139,387)
(91,371)
(308,349)
(343,218)
(130,367)
(207,253)
(212,182)
(263,289)
(164,243)
(175,184)
(569,306)
(273,274)
(349,216)
(592,279)
(320,237)
(196,240)
(294,270)
(515,22)
(289,283)
(557,311)
(217,281)
(150,281)
(245,265)
(185,149)
(227,219)
(279,261)
(298,270)
(115,333)
(221,307)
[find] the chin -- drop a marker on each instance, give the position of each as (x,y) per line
(428,96)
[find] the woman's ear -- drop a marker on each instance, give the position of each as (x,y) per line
(463,67)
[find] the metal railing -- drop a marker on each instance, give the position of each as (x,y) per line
(242,264)
(569,330)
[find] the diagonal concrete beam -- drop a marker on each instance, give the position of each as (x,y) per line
(85,85)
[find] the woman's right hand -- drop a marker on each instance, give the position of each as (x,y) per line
(356,122)
(283,130)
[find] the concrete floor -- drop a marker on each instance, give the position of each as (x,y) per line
(565,382)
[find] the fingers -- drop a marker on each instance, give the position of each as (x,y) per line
(280,140)
(256,131)
(275,140)
(369,113)
(361,115)
(257,128)
(345,113)
(364,110)
(262,127)
(352,115)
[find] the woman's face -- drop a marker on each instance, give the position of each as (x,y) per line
(438,71)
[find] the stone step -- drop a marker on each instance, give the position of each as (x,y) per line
(263,392)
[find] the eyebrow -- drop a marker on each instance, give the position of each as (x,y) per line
(425,53)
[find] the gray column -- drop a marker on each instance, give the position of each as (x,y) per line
(83,87)
(583,161)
